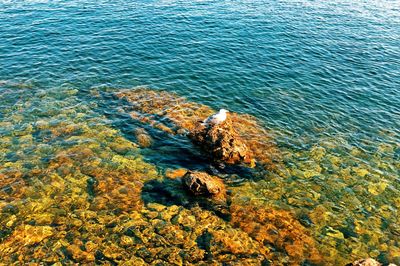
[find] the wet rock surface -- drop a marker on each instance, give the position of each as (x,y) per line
(222,143)
(203,184)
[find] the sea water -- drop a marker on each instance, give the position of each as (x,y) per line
(323,78)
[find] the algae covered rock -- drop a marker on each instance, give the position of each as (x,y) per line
(279,229)
(174,114)
(24,236)
(222,142)
(200,183)
(143,138)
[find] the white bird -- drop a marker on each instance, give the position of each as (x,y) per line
(216,118)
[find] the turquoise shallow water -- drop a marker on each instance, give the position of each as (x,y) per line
(324,79)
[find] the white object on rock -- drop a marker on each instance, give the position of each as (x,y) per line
(216,118)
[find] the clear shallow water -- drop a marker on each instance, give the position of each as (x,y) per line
(318,75)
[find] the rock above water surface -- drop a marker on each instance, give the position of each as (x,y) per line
(367,262)
(222,143)
(200,183)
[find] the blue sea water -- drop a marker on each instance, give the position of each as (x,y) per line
(293,63)
(313,72)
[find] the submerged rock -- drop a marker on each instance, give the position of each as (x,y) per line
(279,229)
(143,138)
(222,142)
(24,236)
(200,183)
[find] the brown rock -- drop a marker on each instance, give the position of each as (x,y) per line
(143,138)
(222,143)
(365,262)
(79,255)
(200,183)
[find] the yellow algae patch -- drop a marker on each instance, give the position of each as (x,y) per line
(25,235)
(310,173)
(277,228)
(377,188)
(394,252)
(80,255)
(177,173)
(317,153)
(362,172)
(233,241)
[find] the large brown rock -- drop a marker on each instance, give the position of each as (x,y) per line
(201,183)
(365,262)
(222,143)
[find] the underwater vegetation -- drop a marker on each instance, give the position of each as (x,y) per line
(336,189)
(63,174)
(74,189)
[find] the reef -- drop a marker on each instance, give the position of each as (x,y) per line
(143,138)
(75,190)
(303,176)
